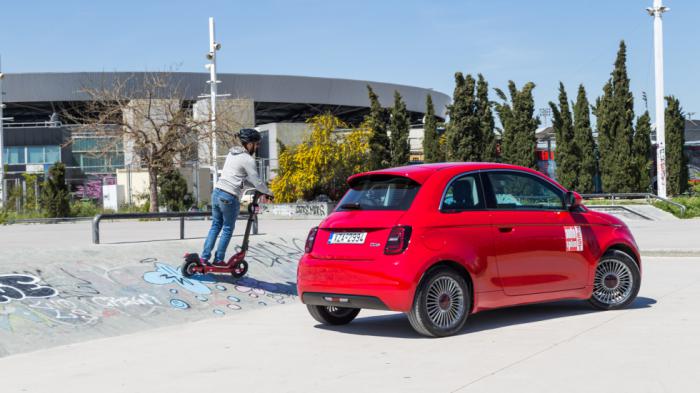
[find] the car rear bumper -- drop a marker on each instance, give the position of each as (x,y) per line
(366,284)
(343,300)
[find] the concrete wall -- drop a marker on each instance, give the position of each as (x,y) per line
(290,134)
(141,115)
(232,115)
(133,184)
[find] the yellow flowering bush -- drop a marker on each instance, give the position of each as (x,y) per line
(323,161)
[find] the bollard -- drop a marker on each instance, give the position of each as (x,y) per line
(96,229)
(182,227)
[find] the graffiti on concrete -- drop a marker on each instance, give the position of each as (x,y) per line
(166,274)
(72,296)
(308,209)
(23,286)
(278,252)
(143,299)
(179,304)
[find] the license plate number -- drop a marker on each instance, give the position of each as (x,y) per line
(347,238)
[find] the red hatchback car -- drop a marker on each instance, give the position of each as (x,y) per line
(442,241)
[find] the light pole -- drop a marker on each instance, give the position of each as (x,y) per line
(211,56)
(656,11)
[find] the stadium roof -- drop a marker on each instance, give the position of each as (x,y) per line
(275,92)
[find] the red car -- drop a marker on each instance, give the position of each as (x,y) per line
(443,241)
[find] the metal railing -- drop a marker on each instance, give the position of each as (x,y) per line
(632,195)
(135,216)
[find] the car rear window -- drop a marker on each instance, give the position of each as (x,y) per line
(379,192)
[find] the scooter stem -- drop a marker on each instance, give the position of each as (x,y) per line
(252,215)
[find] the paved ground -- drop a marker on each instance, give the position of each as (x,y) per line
(133,324)
(57,288)
(559,347)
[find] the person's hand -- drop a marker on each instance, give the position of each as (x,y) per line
(267,198)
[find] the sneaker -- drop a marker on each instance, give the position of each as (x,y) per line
(219,263)
(203,261)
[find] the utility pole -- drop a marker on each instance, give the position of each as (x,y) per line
(211,56)
(656,11)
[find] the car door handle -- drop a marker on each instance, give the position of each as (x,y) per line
(505,229)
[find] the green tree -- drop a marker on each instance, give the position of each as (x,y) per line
(399,128)
(54,194)
(463,133)
(323,161)
(486,122)
(641,150)
(566,153)
(585,144)
(676,161)
(519,143)
(615,114)
(173,190)
(431,141)
(380,155)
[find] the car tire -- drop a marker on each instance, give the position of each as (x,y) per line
(616,281)
(331,315)
(441,304)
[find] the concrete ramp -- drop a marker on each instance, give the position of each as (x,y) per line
(636,212)
(67,294)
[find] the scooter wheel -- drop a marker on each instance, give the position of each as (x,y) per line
(188,269)
(240,269)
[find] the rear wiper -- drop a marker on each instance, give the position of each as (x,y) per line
(353,205)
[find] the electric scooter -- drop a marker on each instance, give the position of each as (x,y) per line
(236,265)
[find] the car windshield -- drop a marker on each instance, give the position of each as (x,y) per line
(379,192)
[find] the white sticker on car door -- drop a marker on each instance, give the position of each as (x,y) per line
(573,238)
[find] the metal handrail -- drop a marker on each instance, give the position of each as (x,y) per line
(619,207)
(627,195)
(133,216)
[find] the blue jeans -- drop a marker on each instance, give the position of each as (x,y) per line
(225,208)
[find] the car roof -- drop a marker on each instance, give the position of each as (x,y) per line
(421,172)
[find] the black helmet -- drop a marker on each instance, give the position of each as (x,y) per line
(248,135)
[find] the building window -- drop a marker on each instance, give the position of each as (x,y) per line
(53,154)
(35,154)
(14,155)
(20,155)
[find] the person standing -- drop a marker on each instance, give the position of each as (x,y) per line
(239,172)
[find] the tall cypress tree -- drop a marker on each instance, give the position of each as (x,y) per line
(463,133)
(641,150)
(519,142)
(431,140)
(399,127)
(486,122)
(566,153)
(615,113)
(379,155)
(583,139)
(676,161)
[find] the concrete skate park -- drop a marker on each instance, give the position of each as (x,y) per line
(119,317)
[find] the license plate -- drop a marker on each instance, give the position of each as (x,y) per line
(347,238)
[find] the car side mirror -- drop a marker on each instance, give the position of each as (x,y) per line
(572,200)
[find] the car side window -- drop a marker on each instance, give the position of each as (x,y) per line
(520,191)
(462,194)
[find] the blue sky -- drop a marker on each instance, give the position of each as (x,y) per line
(412,42)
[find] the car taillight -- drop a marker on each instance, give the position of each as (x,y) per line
(398,240)
(310,240)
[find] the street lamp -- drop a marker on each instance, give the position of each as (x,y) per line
(656,11)
(211,56)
